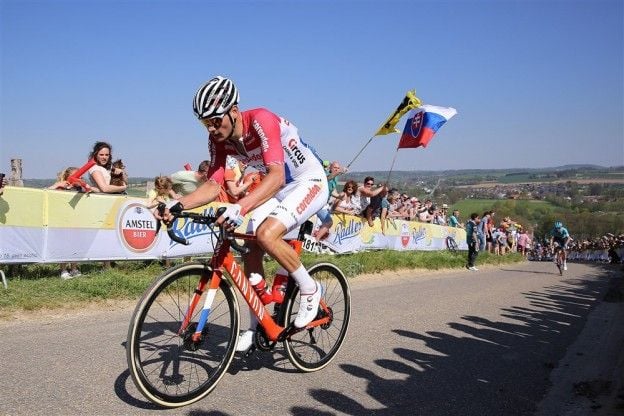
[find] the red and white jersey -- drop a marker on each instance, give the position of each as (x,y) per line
(267,140)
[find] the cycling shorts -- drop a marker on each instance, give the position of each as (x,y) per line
(292,205)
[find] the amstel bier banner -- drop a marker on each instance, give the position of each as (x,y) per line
(39,226)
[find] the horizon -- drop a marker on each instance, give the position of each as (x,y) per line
(513,170)
(530,88)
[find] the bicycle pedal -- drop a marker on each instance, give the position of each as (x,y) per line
(250,351)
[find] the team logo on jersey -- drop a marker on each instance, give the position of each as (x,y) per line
(312,192)
(295,154)
(136,227)
(417,123)
(263,139)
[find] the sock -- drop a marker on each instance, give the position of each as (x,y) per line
(307,285)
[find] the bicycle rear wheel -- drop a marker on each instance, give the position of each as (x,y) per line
(168,368)
(312,349)
(451,244)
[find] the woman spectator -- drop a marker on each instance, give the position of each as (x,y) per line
(100,173)
(348,202)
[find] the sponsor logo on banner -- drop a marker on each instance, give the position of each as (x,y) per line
(137,228)
(419,235)
(405,235)
(344,231)
(188,229)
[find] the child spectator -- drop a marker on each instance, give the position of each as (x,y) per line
(162,192)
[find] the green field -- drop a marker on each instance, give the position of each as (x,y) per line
(468,206)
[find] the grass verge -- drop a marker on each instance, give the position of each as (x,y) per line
(36,287)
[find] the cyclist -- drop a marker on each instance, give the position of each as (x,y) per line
(559,234)
(293,189)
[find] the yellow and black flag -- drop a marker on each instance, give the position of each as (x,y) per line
(409,102)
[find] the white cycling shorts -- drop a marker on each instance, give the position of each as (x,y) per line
(292,205)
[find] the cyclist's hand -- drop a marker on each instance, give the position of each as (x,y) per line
(166,216)
(231,217)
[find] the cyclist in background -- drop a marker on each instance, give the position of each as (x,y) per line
(559,234)
(293,189)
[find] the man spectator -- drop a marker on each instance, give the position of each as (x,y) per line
(523,242)
(472,240)
(186,181)
(324,215)
(454,220)
(482,230)
(371,198)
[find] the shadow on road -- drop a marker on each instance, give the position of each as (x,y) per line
(481,367)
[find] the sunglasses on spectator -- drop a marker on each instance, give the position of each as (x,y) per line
(370,183)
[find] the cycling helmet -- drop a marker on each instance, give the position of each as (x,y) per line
(215,98)
(558,224)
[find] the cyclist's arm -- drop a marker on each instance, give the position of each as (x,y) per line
(204,194)
(271,183)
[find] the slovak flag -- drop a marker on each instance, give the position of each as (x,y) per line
(422,123)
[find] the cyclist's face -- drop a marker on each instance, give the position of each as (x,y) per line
(220,128)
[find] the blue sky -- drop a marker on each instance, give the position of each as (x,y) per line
(535,83)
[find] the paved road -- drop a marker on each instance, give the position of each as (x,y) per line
(441,343)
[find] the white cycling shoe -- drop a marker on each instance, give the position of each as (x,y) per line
(308,307)
(245,340)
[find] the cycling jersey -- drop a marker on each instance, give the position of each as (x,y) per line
(268,139)
(560,233)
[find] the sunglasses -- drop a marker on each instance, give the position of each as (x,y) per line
(370,183)
(214,122)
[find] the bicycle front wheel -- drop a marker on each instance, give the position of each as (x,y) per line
(312,349)
(169,368)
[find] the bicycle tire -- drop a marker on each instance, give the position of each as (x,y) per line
(451,244)
(166,369)
(313,349)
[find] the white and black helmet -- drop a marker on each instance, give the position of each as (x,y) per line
(215,98)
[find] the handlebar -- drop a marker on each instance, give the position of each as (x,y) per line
(201,219)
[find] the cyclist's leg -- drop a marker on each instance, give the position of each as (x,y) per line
(298,202)
(253,264)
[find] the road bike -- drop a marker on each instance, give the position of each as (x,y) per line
(184,330)
(451,244)
(558,255)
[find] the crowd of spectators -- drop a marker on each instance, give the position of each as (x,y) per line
(609,249)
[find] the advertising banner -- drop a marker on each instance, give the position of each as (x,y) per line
(48,226)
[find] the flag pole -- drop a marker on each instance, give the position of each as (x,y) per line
(392,166)
(361,150)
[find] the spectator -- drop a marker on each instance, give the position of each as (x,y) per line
(489,229)
(236,184)
(348,202)
(332,170)
(425,212)
(438,216)
(482,230)
(100,173)
(454,220)
(371,199)
(186,181)
(3,183)
(473,241)
(523,242)
(68,270)
(61,180)
(162,192)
